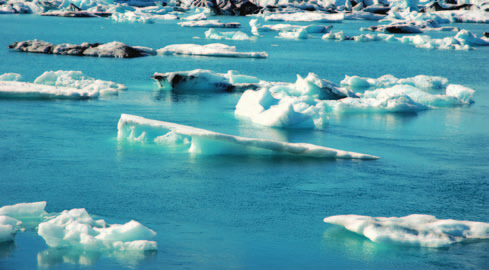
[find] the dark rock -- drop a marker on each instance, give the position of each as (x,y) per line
(486,34)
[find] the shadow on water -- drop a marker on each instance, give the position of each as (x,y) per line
(52,257)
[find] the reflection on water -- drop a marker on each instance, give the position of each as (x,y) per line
(6,248)
(52,257)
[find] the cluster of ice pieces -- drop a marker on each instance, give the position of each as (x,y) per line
(463,40)
(413,230)
(57,85)
(75,229)
(309,101)
(199,141)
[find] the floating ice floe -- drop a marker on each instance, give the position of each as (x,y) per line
(112,49)
(298,34)
(11,217)
(214,49)
(205,80)
(235,35)
(60,85)
(413,230)
(256,28)
(199,141)
(133,17)
(76,229)
(306,17)
(210,24)
(196,17)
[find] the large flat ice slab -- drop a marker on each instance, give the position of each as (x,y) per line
(58,85)
(200,141)
(214,49)
(413,230)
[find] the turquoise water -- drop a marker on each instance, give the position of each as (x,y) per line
(241,212)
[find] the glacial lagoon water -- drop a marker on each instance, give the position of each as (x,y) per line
(241,212)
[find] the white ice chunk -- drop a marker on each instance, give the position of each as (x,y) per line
(76,229)
(413,230)
(207,142)
(214,49)
(77,79)
(8,228)
(420,81)
(24,210)
(235,35)
(462,93)
(299,34)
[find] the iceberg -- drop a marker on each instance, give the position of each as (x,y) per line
(60,85)
(199,141)
(214,49)
(76,229)
(205,80)
(414,230)
(24,211)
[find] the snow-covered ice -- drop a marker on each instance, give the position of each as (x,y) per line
(77,229)
(214,49)
(199,141)
(413,230)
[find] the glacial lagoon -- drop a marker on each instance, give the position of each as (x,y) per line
(242,210)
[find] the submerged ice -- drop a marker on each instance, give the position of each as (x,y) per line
(58,85)
(199,141)
(413,230)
